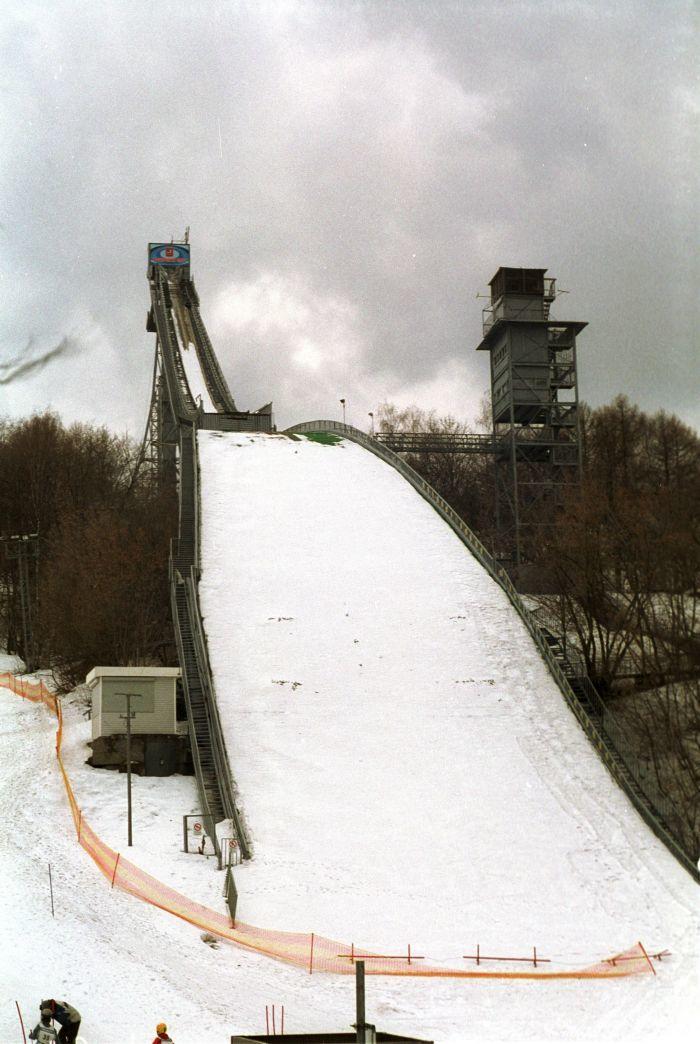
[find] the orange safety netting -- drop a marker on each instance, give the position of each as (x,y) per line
(307,950)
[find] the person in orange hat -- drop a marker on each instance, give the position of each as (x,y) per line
(162,1034)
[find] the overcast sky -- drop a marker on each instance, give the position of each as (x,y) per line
(353,172)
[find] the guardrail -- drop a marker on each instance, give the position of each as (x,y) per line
(614,760)
(428,442)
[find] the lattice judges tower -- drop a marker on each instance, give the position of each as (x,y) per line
(534,403)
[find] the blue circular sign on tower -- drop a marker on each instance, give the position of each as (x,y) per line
(176,255)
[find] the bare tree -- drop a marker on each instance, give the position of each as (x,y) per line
(465,480)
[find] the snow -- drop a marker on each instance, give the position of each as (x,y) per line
(190,360)
(195,377)
(124,964)
(188,353)
(11,663)
(406,764)
(408,771)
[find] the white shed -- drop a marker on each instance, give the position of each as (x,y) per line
(153,700)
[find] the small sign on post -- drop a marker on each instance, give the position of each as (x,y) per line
(197,827)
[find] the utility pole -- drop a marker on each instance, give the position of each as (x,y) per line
(129,715)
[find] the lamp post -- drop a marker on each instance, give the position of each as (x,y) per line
(342,403)
(371,423)
(129,715)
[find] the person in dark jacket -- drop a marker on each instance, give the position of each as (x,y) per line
(66,1016)
(44,1032)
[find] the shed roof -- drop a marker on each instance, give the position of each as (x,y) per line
(131,672)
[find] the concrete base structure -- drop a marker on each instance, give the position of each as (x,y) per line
(151,754)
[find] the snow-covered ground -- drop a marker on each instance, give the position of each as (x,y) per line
(408,769)
(127,965)
(409,773)
(124,964)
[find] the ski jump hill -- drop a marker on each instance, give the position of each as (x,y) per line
(372,709)
(408,769)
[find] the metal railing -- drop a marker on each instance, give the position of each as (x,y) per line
(617,762)
(439,442)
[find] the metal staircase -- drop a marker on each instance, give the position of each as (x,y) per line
(216,787)
(197,716)
(594,707)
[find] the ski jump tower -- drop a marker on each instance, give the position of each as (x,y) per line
(175,319)
(534,402)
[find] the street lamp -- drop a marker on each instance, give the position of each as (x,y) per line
(342,403)
(371,423)
(129,715)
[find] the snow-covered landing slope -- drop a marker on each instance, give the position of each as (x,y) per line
(407,767)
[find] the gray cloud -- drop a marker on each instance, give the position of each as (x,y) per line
(377,162)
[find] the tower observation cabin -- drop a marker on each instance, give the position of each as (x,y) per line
(534,402)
